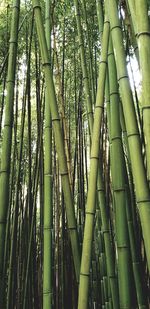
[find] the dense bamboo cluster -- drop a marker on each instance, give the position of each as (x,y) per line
(75,154)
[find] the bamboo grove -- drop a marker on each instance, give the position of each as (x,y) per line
(74,154)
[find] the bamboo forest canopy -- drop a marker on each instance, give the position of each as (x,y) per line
(74,154)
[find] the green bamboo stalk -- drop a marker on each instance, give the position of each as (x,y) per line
(118,184)
(133,27)
(48,205)
(143,28)
(91,199)
(89,50)
(100,17)
(7,134)
(139,174)
(100,184)
(101,193)
(26,297)
(84,67)
(16,210)
(58,138)
(136,262)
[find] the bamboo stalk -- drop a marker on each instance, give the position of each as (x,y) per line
(58,139)
(7,134)
(90,208)
(48,185)
(138,170)
(143,27)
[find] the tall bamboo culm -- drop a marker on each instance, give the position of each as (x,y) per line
(91,199)
(7,132)
(138,170)
(48,184)
(143,28)
(58,138)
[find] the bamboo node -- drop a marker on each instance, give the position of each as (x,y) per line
(105,231)
(46,63)
(143,201)
(90,213)
(144,33)
(83,274)
(116,137)
(97,158)
(47,174)
(114,92)
(110,54)
(145,107)
(106,22)
(99,106)
(47,292)
(80,45)
(64,173)
(3,221)
(47,228)
(122,246)
(55,119)
(7,125)
(132,134)
(72,228)
(124,76)
(36,4)
(10,81)
(3,171)
(117,26)
(103,61)
(11,41)
(119,189)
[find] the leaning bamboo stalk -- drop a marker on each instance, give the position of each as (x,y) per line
(89,50)
(138,170)
(91,199)
(101,193)
(143,28)
(48,185)
(84,67)
(62,108)
(8,123)
(13,243)
(100,184)
(58,138)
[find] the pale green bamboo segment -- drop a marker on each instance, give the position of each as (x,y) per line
(132,18)
(138,170)
(7,132)
(89,50)
(91,199)
(116,152)
(58,138)
(143,27)
(131,4)
(48,183)
(84,66)
(100,18)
